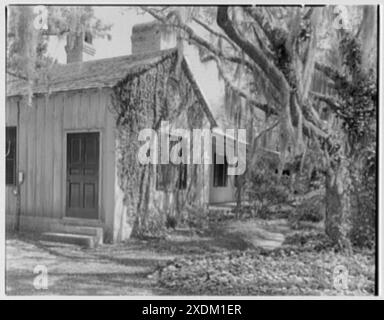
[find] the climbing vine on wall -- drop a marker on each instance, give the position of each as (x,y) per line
(145,97)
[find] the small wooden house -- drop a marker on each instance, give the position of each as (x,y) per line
(64,167)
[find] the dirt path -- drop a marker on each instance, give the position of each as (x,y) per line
(123,269)
(267,234)
(108,270)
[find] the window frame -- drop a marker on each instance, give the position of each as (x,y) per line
(182,180)
(220,168)
(11,181)
(160,185)
(88,38)
(180,171)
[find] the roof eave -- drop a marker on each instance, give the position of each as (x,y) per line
(199,93)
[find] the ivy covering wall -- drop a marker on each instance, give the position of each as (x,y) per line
(150,94)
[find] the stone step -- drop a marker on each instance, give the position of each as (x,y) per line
(86,241)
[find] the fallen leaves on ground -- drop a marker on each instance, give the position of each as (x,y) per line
(300,267)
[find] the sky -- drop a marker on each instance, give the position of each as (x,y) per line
(123,19)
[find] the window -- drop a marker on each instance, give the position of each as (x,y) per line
(171,175)
(182,180)
(163,176)
(220,173)
(10,156)
(88,37)
(168,174)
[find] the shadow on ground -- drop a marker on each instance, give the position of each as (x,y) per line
(125,268)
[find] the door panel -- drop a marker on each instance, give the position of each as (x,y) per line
(74,195)
(89,195)
(82,175)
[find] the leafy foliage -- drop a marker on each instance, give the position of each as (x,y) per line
(27,47)
(142,100)
(264,186)
(283,271)
(357,109)
(364,219)
(276,48)
(311,209)
(138,102)
(358,96)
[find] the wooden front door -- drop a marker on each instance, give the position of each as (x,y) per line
(82,175)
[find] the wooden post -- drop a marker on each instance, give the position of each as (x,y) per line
(18,200)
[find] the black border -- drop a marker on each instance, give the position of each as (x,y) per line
(378,65)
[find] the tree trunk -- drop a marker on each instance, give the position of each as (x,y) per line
(238,201)
(140,223)
(338,205)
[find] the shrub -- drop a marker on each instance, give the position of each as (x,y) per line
(311,209)
(363,233)
(264,187)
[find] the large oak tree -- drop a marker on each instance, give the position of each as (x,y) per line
(268,55)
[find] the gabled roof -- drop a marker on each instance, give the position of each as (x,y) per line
(102,73)
(85,75)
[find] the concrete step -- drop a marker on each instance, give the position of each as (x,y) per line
(86,241)
(96,232)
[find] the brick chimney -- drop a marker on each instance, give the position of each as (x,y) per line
(148,37)
(79,47)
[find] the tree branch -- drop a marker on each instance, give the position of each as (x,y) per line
(217,34)
(273,74)
(262,106)
(17,75)
(48,32)
(309,128)
(308,14)
(199,40)
(261,44)
(331,102)
(265,26)
(331,73)
(267,129)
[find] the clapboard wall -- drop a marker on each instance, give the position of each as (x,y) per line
(41,138)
